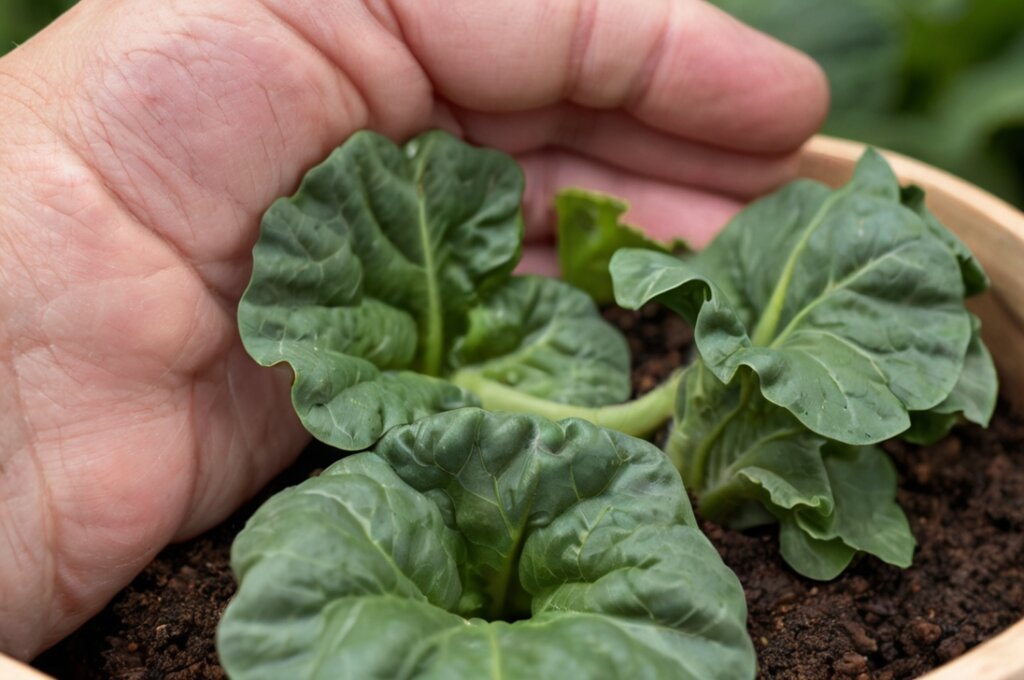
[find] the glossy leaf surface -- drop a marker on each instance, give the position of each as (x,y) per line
(367,279)
(844,303)
(753,462)
(388,564)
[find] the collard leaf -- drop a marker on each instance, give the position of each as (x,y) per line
(540,337)
(368,277)
(590,230)
(866,516)
(975,279)
(382,566)
(803,288)
(809,556)
(973,397)
(751,462)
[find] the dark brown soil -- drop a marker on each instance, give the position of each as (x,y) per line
(964,498)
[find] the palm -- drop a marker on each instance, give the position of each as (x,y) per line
(136,416)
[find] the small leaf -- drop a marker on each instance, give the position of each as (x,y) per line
(736,449)
(812,557)
(590,230)
(866,516)
(545,339)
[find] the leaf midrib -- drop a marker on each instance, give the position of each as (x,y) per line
(769,322)
(434,321)
(843,284)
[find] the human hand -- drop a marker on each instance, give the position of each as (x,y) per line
(141,141)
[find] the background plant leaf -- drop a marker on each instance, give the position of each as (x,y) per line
(935,79)
(590,230)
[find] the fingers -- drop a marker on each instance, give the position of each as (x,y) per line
(682,66)
(663,210)
(195,116)
(540,260)
(620,140)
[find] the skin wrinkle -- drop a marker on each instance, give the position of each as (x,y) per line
(579,46)
(41,560)
(199,482)
(407,82)
(365,115)
(636,98)
(140,72)
(124,201)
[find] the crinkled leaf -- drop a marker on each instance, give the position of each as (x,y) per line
(973,397)
(590,230)
(844,303)
(366,279)
(866,516)
(974,277)
(541,337)
(349,402)
(731,446)
(750,461)
(374,568)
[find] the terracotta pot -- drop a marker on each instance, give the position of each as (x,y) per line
(994,231)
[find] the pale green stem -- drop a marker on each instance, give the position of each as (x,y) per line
(638,418)
(694,473)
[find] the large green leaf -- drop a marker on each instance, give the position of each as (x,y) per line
(369,277)
(751,462)
(847,306)
(408,561)
(590,230)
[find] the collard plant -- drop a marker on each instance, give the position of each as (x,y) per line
(479,545)
(826,321)
(385,282)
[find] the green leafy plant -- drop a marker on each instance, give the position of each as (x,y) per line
(385,282)
(472,545)
(826,321)
(590,230)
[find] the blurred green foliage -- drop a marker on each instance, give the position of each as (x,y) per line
(20,19)
(940,80)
